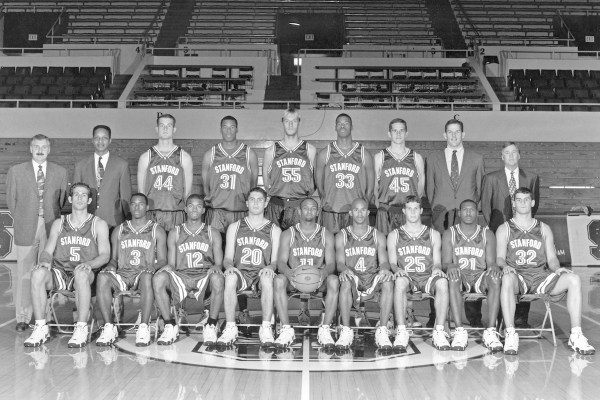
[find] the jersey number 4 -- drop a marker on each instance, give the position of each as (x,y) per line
(166,185)
(400,184)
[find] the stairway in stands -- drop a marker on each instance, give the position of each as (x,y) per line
(284,88)
(445,26)
(501,89)
(174,25)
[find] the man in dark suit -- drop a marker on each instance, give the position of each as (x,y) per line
(453,175)
(108,176)
(35,192)
(496,201)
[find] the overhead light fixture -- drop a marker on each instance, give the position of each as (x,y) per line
(295,23)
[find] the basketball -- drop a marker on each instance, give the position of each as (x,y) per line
(306,279)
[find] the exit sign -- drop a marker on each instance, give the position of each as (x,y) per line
(33,37)
(589,39)
(309,37)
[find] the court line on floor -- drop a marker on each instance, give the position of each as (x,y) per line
(8,322)
(305,391)
(582,316)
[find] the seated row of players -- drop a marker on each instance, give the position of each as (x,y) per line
(413,263)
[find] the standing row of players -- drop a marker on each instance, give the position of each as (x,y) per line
(189,262)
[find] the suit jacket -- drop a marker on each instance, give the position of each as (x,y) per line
(496,203)
(440,192)
(22,198)
(111,201)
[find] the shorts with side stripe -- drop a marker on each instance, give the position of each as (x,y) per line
(220,219)
(247,280)
(168,220)
(124,280)
(540,282)
(363,291)
(184,281)
(424,284)
(62,279)
(474,282)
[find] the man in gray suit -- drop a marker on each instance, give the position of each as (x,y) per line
(108,176)
(453,175)
(35,192)
(497,195)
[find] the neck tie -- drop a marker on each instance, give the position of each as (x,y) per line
(512,188)
(40,185)
(100,171)
(454,170)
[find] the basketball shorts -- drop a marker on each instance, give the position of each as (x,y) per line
(365,290)
(220,219)
(283,212)
(334,222)
(423,284)
(124,280)
(474,283)
(168,220)
(541,282)
(62,279)
(191,280)
(387,220)
(247,280)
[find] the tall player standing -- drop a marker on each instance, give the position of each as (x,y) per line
(138,249)
(362,263)
(164,175)
(344,173)
(289,176)
(250,261)
(77,245)
(306,244)
(415,256)
(195,267)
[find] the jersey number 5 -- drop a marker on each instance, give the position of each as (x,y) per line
(290,174)
(414,264)
(400,185)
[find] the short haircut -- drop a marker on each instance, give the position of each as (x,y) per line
(506,144)
(465,202)
(413,199)
(258,189)
(39,136)
(80,184)
(229,118)
(291,112)
(524,190)
(397,121)
(194,196)
(453,121)
(161,116)
(342,115)
(106,128)
(142,195)
(308,199)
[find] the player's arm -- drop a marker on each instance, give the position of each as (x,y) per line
(267,160)
(420,165)
(312,156)
(161,249)
(171,251)
(330,256)
(551,257)
(535,192)
(490,255)
(501,246)
(205,168)
(143,163)
(284,254)
(230,247)
(377,165)
(46,256)
(392,256)
(436,242)
(114,251)
(382,256)
(62,196)
(452,270)
(217,249)
(320,172)
(269,270)
(103,248)
(188,172)
(340,258)
(253,159)
(368,163)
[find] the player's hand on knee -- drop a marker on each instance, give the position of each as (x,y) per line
(346,275)
(400,273)
(166,268)
(495,272)
(83,267)
(215,270)
(268,272)
(562,270)
(454,273)
(386,275)
(438,272)
(508,270)
(229,271)
(42,265)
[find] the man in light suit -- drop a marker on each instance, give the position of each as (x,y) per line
(35,192)
(496,201)
(453,175)
(108,176)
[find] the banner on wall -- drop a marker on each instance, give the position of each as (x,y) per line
(7,248)
(584,239)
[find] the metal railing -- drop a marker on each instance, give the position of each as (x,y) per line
(563,26)
(55,26)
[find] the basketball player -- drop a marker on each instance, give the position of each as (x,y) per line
(77,245)
(229,170)
(415,256)
(250,262)
(344,173)
(164,175)
(469,254)
(138,249)
(525,251)
(195,267)
(362,263)
(400,172)
(306,243)
(289,177)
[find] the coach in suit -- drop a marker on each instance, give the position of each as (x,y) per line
(496,201)
(35,192)
(108,176)
(499,187)
(453,175)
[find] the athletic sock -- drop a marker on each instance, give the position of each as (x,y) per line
(401,327)
(79,323)
(576,330)
(40,322)
(230,325)
(510,330)
(439,327)
(266,323)
(285,326)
